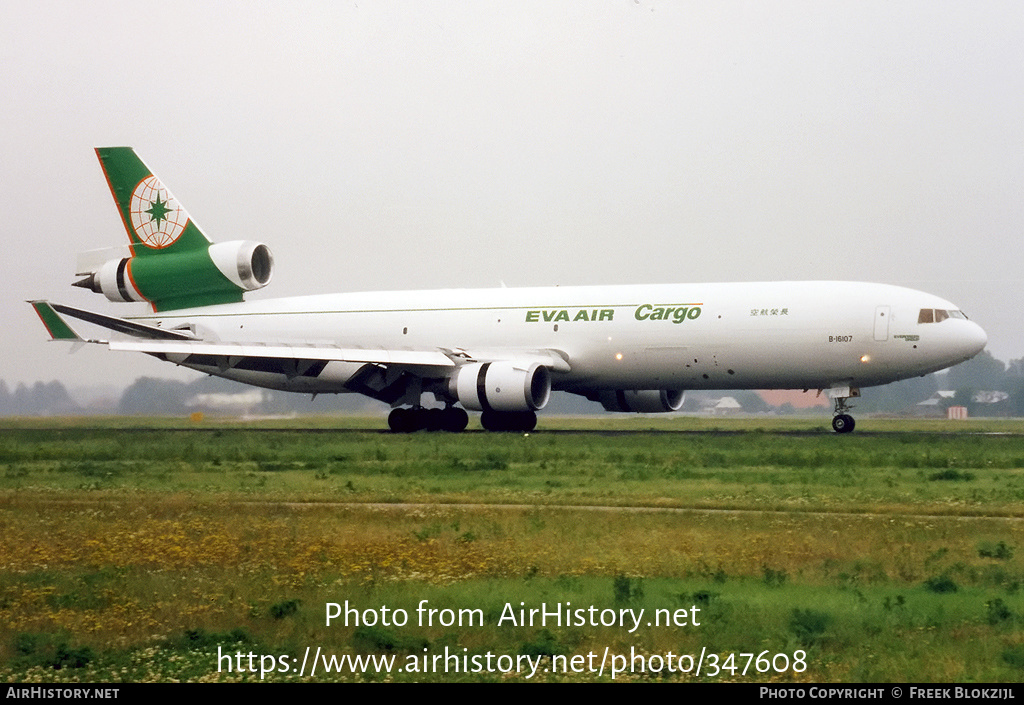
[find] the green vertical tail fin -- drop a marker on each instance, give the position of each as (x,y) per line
(153,218)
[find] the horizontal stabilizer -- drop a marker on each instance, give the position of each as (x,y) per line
(55,324)
(120,325)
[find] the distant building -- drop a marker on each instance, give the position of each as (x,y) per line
(990,397)
(721,406)
(936,404)
(242,403)
(985,403)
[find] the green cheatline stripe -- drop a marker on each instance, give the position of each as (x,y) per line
(58,329)
(418,310)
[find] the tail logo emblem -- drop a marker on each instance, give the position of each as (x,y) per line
(157,218)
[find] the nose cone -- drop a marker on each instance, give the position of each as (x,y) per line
(974,339)
(957,343)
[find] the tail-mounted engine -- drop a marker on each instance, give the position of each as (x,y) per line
(501,386)
(171,280)
(642,401)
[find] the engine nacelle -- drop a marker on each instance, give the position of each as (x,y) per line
(246,263)
(113,281)
(642,401)
(219,274)
(501,386)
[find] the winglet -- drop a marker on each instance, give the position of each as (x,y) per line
(55,324)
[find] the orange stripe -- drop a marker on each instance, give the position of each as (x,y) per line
(43,320)
(131,278)
(127,226)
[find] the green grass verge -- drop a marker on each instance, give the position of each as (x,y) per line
(891,555)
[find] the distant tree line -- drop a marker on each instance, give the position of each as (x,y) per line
(973,382)
(149,395)
(39,399)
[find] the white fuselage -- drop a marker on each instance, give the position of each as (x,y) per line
(772,335)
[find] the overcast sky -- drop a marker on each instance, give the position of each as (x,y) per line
(464,144)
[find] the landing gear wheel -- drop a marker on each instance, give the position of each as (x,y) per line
(403,420)
(524,421)
(433,419)
(408,420)
(843,423)
(455,419)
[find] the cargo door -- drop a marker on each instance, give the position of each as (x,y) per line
(881,323)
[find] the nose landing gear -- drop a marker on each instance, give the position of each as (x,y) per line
(842,422)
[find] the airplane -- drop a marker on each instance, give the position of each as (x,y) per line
(500,351)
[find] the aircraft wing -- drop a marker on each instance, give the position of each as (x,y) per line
(179,345)
(174,348)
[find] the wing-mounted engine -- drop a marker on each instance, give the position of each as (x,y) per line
(501,386)
(642,401)
(218,274)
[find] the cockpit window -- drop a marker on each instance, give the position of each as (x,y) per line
(937,315)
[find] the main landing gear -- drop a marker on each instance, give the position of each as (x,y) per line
(450,418)
(524,421)
(454,419)
(842,422)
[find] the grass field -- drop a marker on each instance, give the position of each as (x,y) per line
(891,554)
